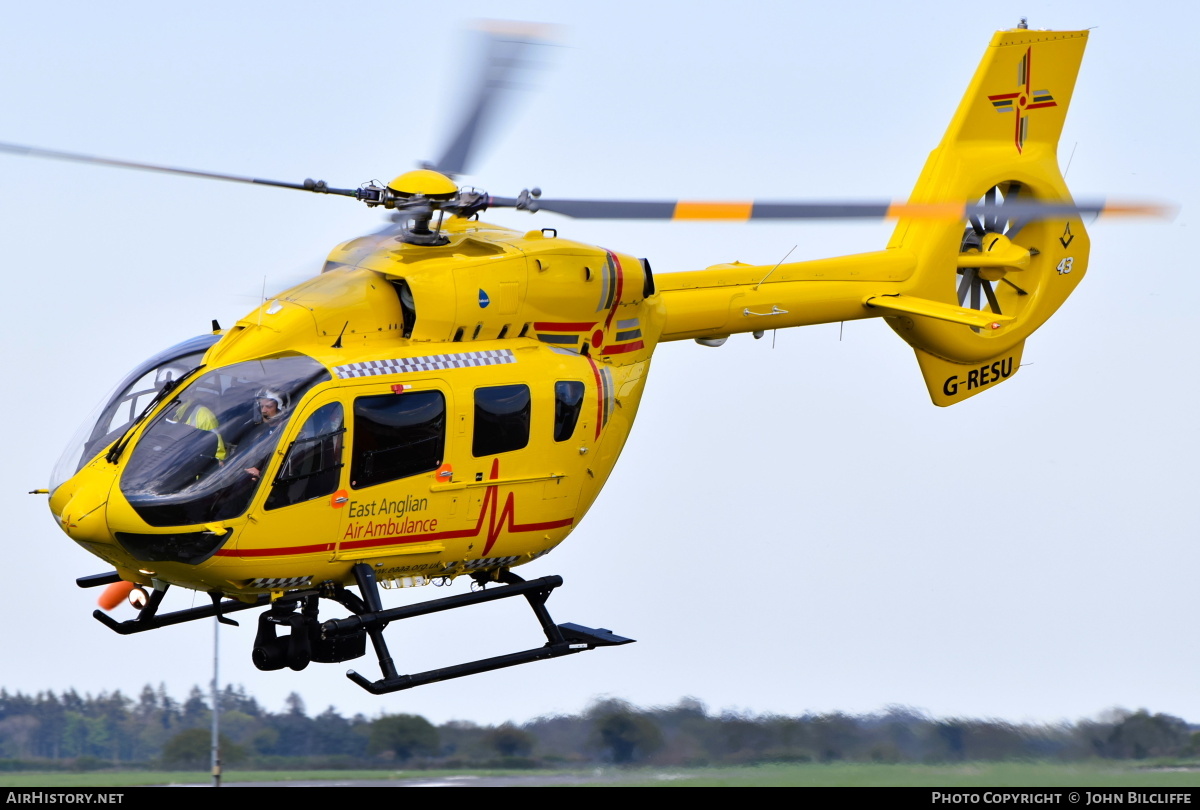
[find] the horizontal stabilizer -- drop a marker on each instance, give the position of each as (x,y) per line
(912,305)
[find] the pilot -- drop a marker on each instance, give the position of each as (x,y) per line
(271,406)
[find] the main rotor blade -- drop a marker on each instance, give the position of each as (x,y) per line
(989,200)
(743,211)
(1013,224)
(317,186)
(508,52)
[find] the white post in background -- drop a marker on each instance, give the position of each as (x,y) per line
(216,708)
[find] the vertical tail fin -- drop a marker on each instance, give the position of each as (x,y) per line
(1000,148)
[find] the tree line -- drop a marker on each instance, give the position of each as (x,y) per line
(155,730)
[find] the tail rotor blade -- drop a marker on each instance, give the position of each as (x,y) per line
(965,284)
(990,292)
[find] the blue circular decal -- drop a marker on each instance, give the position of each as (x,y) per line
(483,300)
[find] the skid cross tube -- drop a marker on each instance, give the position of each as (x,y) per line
(365,620)
(561,639)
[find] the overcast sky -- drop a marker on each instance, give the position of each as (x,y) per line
(793,526)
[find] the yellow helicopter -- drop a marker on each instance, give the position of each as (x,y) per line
(448,397)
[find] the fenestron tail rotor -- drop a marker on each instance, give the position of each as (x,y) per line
(999,214)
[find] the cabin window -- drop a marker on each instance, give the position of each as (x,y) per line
(311,468)
(568,401)
(397,435)
(501,419)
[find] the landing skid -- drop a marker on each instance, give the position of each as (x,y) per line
(148,618)
(561,639)
(345,639)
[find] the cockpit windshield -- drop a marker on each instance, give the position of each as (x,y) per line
(202,457)
(117,412)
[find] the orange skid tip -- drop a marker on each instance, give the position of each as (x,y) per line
(713,210)
(115,594)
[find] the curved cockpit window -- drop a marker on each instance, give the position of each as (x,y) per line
(117,412)
(202,457)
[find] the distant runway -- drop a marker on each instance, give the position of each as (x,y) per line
(597,777)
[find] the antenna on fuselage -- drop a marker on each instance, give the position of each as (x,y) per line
(337,344)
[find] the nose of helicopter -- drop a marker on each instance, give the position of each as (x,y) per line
(80,504)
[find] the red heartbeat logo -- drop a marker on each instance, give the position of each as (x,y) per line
(498,519)
(506,518)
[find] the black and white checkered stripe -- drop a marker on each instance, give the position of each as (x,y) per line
(276,583)
(434,362)
(488,562)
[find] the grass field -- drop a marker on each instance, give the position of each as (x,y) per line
(982,774)
(985,774)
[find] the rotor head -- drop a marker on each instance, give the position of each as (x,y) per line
(425,183)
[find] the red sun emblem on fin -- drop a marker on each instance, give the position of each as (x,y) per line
(1023,100)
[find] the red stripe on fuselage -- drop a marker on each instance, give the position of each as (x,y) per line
(599,396)
(621,348)
(276,552)
(496,524)
(563,327)
(620,285)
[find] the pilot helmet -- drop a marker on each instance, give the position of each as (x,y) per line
(279,397)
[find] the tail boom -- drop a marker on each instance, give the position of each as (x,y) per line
(964,293)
